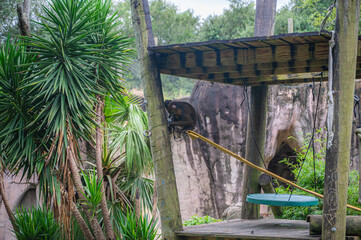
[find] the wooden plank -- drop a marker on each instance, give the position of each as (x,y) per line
(272,78)
(284,82)
(249,67)
(315,39)
(258,44)
(275,42)
(255,73)
(201,48)
(239,40)
(166,51)
(180,48)
(219,46)
(242,44)
(245,56)
(252,82)
(249,229)
(295,40)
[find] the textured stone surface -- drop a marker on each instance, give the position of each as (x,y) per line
(208,181)
(19,193)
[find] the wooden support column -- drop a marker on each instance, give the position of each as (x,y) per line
(265,182)
(358,134)
(343,86)
(264,26)
(168,202)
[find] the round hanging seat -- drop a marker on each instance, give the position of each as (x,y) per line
(282,199)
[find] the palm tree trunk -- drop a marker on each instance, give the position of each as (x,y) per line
(5,200)
(79,218)
(76,213)
(94,224)
(99,162)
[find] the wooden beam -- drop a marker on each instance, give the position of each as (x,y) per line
(343,89)
(266,182)
(256,126)
(259,74)
(168,202)
(282,67)
(236,56)
(353,225)
(271,79)
(249,83)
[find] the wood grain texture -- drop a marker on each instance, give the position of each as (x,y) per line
(257,106)
(343,86)
(249,229)
(353,225)
(248,57)
(168,202)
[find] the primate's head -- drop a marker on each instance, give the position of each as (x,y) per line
(166,103)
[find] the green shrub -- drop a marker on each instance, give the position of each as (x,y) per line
(133,228)
(36,224)
(195,220)
(312,177)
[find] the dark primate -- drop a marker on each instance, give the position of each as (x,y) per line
(181,114)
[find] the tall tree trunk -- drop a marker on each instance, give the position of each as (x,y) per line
(77,215)
(23,15)
(82,224)
(94,224)
(256,127)
(159,140)
(343,86)
(99,162)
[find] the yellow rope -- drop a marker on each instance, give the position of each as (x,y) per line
(195,135)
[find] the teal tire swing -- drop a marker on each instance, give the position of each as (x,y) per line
(275,199)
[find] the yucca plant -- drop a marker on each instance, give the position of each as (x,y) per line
(21,146)
(52,93)
(36,223)
(128,125)
(80,56)
(134,228)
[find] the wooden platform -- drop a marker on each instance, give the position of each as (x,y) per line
(279,59)
(250,229)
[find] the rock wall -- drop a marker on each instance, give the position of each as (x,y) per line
(19,193)
(209,181)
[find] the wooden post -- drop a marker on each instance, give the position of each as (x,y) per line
(358,134)
(264,26)
(343,86)
(168,202)
(265,182)
(353,225)
(290,25)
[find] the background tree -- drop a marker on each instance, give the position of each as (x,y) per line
(9,17)
(235,22)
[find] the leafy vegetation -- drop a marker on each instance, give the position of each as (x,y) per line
(196,220)
(50,87)
(311,176)
(133,227)
(36,223)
